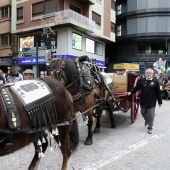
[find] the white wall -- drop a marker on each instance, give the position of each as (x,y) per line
(64,44)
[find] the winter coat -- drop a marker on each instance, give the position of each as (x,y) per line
(150,92)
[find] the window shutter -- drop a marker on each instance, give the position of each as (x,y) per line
(96,17)
(20,12)
(50,6)
(37,8)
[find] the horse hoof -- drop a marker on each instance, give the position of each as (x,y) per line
(89,141)
(96,130)
(113,124)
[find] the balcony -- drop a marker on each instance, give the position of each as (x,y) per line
(75,20)
(90,2)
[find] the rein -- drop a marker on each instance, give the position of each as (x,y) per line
(34,130)
(85,112)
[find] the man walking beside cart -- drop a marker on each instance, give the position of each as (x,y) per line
(150,94)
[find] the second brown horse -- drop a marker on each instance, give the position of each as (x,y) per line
(90,99)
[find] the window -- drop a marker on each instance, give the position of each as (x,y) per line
(4,12)
(20,14)
(89,46)
(50,6)
(26,42)
(112,27)
(119,9)
(98,48)
(97,18)
(76,41)
(152,48)
(113,4)
(37,9)
(5,39)
(45,7)
(119,30)
(74,8)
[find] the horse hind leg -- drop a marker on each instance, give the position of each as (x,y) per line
(97,128)
(110,113)
(35,161)
(65,147)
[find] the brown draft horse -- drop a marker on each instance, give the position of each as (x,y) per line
(66,72)
(68,132)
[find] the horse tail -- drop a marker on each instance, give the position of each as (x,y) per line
(74,135)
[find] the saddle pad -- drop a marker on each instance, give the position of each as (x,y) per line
(30,91)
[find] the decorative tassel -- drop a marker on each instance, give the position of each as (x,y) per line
(39,142)
(43,140)
(51,135)
(56,132)
(59,143)
(53,131)
(39,154)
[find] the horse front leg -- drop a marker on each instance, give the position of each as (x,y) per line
(89,139)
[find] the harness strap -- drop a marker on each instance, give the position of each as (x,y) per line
(12,113)
(33,130)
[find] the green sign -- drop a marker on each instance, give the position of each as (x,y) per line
(29,54)
(39,48)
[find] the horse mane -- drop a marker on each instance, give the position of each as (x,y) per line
(53,64)
(71,71)
(84,58)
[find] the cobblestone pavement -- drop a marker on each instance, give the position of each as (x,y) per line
(128,147)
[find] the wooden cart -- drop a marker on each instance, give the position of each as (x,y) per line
(123,84)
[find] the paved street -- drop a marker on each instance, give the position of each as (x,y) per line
(128,147)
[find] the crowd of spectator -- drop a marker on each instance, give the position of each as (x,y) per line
(13,77)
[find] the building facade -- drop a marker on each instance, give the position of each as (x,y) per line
(7,43)
(142,32)
(69,28)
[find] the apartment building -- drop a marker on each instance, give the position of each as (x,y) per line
(7,45)
(68,28)
(142,32)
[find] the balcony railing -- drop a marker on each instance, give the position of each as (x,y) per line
(72,17)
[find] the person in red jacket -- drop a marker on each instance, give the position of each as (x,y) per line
(150,94)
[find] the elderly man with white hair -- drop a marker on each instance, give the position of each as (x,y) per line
(150,93)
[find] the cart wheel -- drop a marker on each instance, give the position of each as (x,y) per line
(135,103)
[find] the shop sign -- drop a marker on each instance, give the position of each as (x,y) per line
(32,60)
(6,61)
(100,63)
(39,48)
(129,66)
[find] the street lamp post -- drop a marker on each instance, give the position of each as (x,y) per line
(52,45)
(36,59)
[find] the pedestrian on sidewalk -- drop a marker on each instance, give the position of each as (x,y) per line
(150,94)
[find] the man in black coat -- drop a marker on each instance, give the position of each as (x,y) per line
(150,93)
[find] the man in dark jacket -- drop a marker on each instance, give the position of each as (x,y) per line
(150,93)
